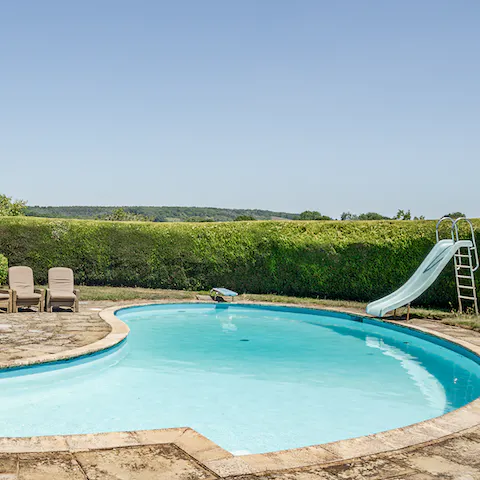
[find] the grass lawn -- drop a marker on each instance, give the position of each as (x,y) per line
(125,293)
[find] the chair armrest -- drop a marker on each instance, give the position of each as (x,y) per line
(76,291)
(41,291)
(6,290)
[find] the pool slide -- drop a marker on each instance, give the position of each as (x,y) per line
(426,274)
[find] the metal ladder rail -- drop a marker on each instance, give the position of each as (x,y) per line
(465,290)
(452,227)
(469,266)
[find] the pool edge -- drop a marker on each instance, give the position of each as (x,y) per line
(224,463)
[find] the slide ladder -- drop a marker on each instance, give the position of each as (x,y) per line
(466,263)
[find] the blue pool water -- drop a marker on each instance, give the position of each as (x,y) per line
(252,379)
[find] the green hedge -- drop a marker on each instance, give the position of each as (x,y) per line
(339,260)
(3,269)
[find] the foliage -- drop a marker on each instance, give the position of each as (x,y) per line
(244,218)
(348,216)
(455,215)
(363,216)
(372,216)
(120,215)
(359,261)
(156,214)
(312,215)
(403,215)
(11,208)
(3,269)
(198,219)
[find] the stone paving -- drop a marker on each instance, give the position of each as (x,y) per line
(29,334)
(456,458)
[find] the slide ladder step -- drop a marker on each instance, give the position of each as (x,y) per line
(467,268)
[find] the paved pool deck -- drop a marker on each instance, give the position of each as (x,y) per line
(444,448)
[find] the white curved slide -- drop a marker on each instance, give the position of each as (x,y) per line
(426,274)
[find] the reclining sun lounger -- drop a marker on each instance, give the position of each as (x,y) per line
(61,291)
(24,293)
(6,299)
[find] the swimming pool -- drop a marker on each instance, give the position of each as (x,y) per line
(250,378)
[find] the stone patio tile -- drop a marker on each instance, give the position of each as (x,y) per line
(310,474)
(96,441)
(357,447)
(33,444)
(152,437)
(230,466)
(296,458)
(373,469)
(43,348)
(419,476)
(443,468)
(200,447)
(411,435)
(463,418)
(457,450)
(53,466)
(473,435)
(161,462)
(31,335)
(8,465)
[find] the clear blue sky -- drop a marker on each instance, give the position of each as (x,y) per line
(356,105)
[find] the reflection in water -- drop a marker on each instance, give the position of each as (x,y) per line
(460,384)
(227,323)
(430,387)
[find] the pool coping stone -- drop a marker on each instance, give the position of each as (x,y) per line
(222,462)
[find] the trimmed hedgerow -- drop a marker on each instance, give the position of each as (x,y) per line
(3,269)
(340,260)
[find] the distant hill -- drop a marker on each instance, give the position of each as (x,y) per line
(160,214)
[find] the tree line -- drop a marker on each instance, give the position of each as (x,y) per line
(10,207)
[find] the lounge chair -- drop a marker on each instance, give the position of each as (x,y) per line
(61,291)
(6,299)
(24,293)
